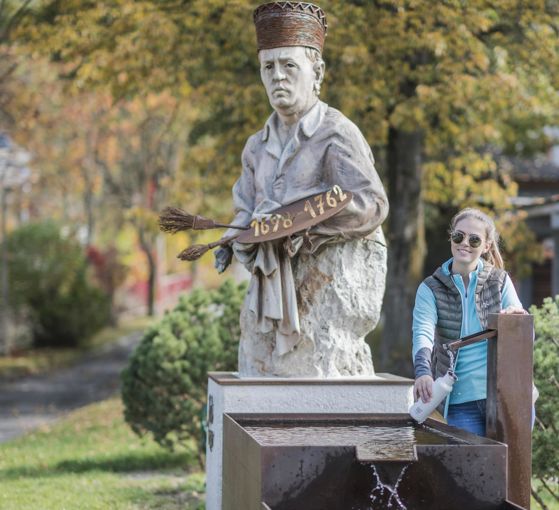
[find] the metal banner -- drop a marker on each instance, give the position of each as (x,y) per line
(296,217)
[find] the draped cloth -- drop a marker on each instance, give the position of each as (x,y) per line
(271,294)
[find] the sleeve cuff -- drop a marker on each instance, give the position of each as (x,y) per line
(422,362)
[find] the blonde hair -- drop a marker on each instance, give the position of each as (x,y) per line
(493,255)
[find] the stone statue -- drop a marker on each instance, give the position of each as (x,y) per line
(308,306)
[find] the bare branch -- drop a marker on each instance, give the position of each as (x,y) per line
(540,501)
(548,488)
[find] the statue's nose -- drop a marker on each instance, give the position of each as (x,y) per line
(278,73)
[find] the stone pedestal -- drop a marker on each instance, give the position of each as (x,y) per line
(228,393)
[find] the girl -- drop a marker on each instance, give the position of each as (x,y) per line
(455,302)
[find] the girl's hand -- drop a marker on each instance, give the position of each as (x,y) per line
(514,310)
(423,388)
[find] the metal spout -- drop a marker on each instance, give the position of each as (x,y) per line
(471,339)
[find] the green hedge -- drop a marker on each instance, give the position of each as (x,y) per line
(545,438)
(164,385)
(49,280)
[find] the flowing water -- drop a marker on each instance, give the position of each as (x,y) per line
(452,359)
(385,494)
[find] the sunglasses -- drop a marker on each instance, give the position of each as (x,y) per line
(473,239)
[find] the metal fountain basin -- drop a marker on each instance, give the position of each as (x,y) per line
(358,462)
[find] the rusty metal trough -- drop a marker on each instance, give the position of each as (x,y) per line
(343,462)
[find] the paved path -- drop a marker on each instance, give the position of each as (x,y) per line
(37,400)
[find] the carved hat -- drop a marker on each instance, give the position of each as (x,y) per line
(290,24)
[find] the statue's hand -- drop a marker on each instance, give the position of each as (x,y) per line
(223,256)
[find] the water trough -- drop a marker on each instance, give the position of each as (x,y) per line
(359,462)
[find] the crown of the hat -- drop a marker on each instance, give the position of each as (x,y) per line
(295,7)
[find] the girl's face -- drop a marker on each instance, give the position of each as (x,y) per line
(466,255)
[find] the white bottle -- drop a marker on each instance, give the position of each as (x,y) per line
(442,386)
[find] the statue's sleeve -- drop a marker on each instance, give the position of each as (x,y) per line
(244,191)
(349,163)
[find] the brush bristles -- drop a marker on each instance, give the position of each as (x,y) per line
(173,220)
(194,252)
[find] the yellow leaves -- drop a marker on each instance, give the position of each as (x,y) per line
(520,246)
(184,90)
(355,55)
(144,217)
(468,179)
(408,116)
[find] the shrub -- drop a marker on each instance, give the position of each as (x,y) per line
(48,279)
(165,384)
(545,463)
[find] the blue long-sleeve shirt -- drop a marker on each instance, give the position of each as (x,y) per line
(471,361)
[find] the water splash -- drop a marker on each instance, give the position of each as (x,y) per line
(382,491)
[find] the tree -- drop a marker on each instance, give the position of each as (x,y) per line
(437,88)
(140,156)
(102,163)
(545,462)
(11,13)
(49,281)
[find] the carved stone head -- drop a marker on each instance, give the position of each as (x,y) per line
(290,37)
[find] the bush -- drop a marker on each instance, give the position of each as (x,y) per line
(48,279)
(545,463)
(165,384)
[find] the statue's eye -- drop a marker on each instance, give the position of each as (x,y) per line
(291,64)
(268,66)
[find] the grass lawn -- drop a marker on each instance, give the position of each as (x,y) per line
(92,460)
(550,502)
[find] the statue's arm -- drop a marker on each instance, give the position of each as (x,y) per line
(349,163)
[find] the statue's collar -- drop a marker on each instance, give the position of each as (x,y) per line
(308,124)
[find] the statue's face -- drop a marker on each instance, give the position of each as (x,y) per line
(289,77)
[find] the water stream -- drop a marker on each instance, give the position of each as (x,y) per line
(452,359)
(383,490)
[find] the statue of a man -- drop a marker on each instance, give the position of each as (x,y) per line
(309,305)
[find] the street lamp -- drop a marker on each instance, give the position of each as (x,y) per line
(13,173)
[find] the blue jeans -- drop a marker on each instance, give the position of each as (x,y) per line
(469,416)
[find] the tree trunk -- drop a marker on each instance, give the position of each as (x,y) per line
(88,202)
(147,248)
(406,248)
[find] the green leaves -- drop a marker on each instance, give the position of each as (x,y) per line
(164,385)
(545,463)
(48,281)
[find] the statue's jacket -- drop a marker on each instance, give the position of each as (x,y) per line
(326,149)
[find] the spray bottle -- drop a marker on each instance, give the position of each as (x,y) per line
(442,386)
